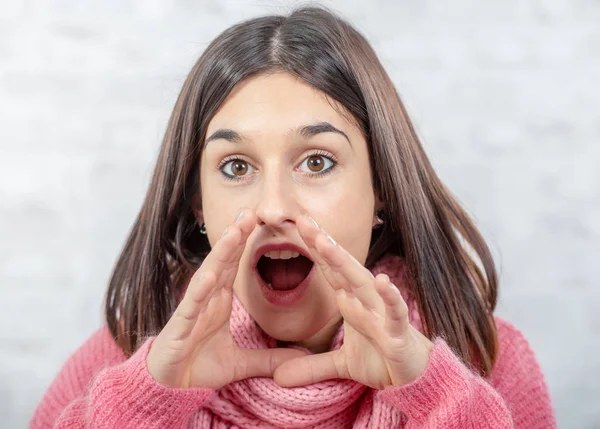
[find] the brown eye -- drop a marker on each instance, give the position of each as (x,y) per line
(239,167)
(236,169)
(315,163)
(318,164)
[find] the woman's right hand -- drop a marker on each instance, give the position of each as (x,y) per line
(195,348)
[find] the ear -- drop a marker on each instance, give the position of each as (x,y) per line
(197,208)
(379,204)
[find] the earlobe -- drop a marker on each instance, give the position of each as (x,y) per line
(197,209)
(199,217)
(378,218)
(379,204)
(378,215)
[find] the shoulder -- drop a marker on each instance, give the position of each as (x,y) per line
(99,351)
(516,358)
(518,378)
(510,339)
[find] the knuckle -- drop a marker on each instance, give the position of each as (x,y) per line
(272,362)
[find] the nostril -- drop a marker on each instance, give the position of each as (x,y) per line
(276,216)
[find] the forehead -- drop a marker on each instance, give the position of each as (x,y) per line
(277,102)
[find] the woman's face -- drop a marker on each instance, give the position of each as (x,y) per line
(282,156)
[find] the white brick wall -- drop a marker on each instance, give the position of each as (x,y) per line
(505,94)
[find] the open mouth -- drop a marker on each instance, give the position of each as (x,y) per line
(283,270)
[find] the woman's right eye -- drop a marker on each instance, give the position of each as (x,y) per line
(236,168)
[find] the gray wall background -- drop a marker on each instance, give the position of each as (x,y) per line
(505,94)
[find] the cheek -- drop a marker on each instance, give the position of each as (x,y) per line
(218,213)
(352,215)
(220,206)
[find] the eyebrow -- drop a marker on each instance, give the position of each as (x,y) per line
(305,131)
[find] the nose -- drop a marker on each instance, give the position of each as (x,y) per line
(276,205)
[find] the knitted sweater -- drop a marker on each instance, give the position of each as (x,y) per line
(99,388)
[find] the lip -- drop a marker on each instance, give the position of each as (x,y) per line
(286,297)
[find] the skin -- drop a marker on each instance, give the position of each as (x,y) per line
(329,216)
(265,111)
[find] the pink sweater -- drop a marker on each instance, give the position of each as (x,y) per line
(99,388)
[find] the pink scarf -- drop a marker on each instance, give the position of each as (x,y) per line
(261,403)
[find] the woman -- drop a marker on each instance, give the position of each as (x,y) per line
(298,263)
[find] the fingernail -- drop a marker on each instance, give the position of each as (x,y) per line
(331,239)
(239,216)
(225,232)
(313,221)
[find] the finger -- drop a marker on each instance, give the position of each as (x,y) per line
(309,229)
(396,310)
(218,269)
(358,280)
(358,318)
(310,369)
(308,232)
(227,251)
(224,257)
(340,268)
(263,363)
(195,299)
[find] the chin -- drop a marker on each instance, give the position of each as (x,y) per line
(315,320)
(295,323)
(288,334)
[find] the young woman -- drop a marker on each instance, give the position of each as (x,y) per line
(298,263)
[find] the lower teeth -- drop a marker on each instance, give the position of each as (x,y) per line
(270,286)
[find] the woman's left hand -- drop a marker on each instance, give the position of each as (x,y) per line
(381,348)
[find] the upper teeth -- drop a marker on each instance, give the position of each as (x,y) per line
(282,254)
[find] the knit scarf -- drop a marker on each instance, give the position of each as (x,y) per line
(261,403)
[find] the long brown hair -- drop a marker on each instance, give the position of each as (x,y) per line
(455,280)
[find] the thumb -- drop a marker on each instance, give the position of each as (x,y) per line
(310,369)
(262,362)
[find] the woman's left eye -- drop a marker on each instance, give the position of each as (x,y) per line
(317,164)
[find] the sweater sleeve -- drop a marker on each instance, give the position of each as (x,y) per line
(98,388)
(449,395)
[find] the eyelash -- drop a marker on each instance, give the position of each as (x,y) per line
(319,174)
